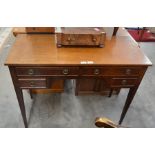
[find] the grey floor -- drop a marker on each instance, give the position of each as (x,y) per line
(68,110)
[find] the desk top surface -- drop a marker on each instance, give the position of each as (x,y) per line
(41,50)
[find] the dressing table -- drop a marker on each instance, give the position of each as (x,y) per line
(35,62)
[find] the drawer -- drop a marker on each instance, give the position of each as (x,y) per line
(123,82)
(123,71)
(111,71)
(47,71)
(91,71)
(32,83)
(76,39)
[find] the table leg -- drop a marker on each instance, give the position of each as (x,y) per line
(31,94)
(115,31)
(129,99)
(19,95)
(20,98)
(110,93)
(141,34)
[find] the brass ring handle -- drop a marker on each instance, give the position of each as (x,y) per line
(65,71)
(32,84)
(124,82)
(128,71)
(30,71)
(68,39)
(96,71)
(94,39)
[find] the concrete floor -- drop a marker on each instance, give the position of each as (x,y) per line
(68,110)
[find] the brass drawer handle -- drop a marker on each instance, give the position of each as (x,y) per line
(30,71)
(128,71)
(94,39)
(32,84)
(96,71)
(68,39)
(65,71)
(124,82)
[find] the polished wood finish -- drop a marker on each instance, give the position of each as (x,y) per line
(41,50)
(19,95)
(47,71)
(58,85)
(80,36)
(86,86)
(32,83)
(121,64)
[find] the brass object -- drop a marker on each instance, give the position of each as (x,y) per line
(104,122)
(65,71)
(124,82)
(128,71)
(96,71)
(30,71)
(32,84)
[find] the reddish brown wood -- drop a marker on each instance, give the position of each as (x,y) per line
(32,83)
(129,99)
(40,59)
(19,94)
(93,86)
(47,71)
(80,36)
(40,30)
(115,31)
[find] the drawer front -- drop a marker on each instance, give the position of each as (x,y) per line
(32,83)
(111,71)
(123,82)
(47,71)
(123,71)
(91,71)
(76,39)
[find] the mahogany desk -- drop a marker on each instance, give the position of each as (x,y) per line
(34,61)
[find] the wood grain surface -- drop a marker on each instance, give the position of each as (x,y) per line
(41,50)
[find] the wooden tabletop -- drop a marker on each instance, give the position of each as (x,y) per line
(40,49)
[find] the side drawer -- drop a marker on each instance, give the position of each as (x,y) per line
(123,82)
(47,71)
(111,71)
(32,83)
(123,71)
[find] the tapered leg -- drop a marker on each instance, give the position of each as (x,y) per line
(19,95)
(110,93)
(129,99)
(31,94)
(115,31)
(20,98)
